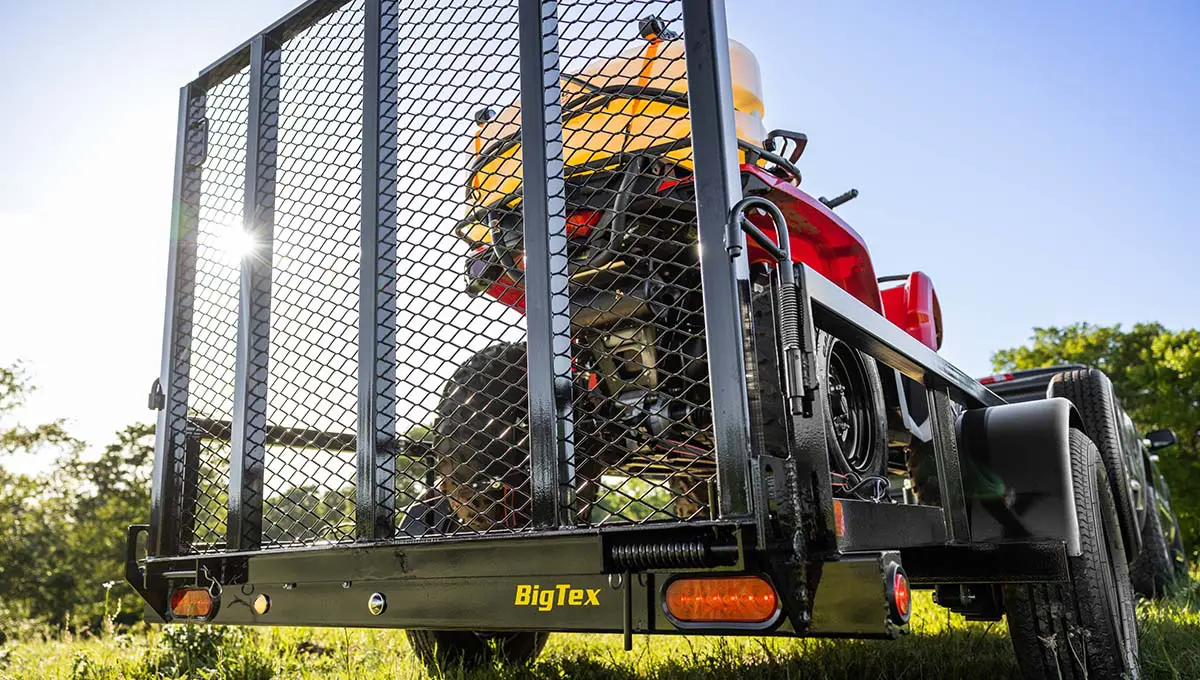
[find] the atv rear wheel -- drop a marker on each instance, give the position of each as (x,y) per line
(442,650)
(1084,628)
(921,462)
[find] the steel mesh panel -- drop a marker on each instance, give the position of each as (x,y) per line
(309,487)
(460,397)
(643,439)
(215,300)
(450,326)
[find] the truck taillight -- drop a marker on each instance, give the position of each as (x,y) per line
(999,377)
(191,603)
(737,599)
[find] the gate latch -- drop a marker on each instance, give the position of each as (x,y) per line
(157,399)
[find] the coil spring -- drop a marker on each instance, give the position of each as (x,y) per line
(789,317)
(666,555)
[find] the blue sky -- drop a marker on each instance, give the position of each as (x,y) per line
(1039,160)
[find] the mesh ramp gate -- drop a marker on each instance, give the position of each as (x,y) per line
(364,312)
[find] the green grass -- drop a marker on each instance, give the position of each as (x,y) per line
(943,646)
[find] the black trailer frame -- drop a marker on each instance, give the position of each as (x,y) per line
(776,517)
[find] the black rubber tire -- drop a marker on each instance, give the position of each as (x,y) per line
(1092,394)
(1085,628)
(1152,570)
(1179,558)
(442,650)
(771,392)
(482,434)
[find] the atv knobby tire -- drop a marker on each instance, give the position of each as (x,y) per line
(1092,394)
(1085,628)
(442,650)
(921,462)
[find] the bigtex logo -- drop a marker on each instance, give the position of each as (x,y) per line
(561,595)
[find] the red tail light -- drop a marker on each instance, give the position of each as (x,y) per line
(899,595)
(999,377)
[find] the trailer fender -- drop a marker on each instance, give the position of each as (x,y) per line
(1017,472)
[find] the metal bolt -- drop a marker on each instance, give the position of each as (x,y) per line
(289,586)
(346,585)
(485,115)
(376,604)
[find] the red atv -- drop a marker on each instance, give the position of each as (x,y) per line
(641,394)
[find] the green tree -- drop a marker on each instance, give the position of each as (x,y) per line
(62,531)
(1156,373)
(35,511)
(15,388)
(108,493)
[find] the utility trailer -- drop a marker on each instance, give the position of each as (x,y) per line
(488,319)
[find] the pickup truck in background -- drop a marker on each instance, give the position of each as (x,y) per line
(1143,499)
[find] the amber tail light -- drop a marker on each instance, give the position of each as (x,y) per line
(735,599)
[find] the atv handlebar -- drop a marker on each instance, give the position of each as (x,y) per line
(834,202)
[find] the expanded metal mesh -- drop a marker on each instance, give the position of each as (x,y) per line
(460,374)
(309,487)
(221,204)
(644,448)
(451,323)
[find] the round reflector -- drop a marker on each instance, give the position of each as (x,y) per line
(735,599)
(899,595)
(191,603)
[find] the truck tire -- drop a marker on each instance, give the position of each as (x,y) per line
(442,650)
(855,419)
(1092,394)
(1084,628)
(1179,560)
(1152,570)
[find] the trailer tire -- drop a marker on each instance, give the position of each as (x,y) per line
(442,650)
(1084,628)
(835,360)
(1153,569)
(1091,391)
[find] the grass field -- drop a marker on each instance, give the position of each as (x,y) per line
(942,647)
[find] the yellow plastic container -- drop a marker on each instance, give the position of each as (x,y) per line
(624,123)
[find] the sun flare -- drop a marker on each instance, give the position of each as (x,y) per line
(236,243)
